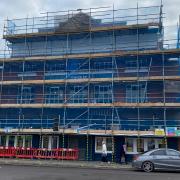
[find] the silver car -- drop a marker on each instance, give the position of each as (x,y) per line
(163,158)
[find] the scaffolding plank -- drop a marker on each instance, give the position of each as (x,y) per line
(117,53)
(82,105)
(92,80)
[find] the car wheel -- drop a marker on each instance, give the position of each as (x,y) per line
(148,166)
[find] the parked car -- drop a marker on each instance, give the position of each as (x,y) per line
(163,158)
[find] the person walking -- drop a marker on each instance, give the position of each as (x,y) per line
(123,152)
(104,152)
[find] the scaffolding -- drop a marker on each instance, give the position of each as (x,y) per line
(71,61)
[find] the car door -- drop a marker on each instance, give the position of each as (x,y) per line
(173,158)
(159,158)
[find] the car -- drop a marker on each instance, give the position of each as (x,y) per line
(157,159)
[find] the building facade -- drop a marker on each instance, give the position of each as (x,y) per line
(76,78)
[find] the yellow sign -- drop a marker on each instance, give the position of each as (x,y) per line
(159,132)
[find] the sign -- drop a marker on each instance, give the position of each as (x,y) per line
(7,129)
(178,132)
(171,131)
(159,132)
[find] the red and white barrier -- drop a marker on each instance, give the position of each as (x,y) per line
(30,153)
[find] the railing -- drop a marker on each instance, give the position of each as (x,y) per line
(33,153)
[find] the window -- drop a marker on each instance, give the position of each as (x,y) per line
(45,141)
(130,144)
(140,145)
(25,95)
(2,140)
(54,142)
(20,141)
(99,66)
(103,94)
(79,94)
(54,95)
(30,67)
(135,93)
(98,144)
(11,141)
(173,153)
(28,141)
(158,153)
(132,66)
(55,67)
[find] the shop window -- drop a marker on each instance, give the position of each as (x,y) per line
(98,144)
(28,141)
(54,142)
(20,141)
(140,145)
(2,140)
(45,141)
(130,145)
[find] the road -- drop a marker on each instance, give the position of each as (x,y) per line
(8,172)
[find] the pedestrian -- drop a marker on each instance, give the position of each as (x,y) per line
(123,154)
(104,152)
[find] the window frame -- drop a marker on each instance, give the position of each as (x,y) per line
(105,140)
(145,140)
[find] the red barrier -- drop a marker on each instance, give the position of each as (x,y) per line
(24,153)
(61,153)
(1,151)
(9,152)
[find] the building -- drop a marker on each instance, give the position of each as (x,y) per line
(75,78)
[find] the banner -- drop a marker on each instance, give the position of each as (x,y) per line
(159,132)
(172,131)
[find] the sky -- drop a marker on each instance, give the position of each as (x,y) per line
(22,8)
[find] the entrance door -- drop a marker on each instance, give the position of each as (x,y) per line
(72,142)
(55,142)
(11,141)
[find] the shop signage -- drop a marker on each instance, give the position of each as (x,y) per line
(159,132)
(177,132)
(172,131)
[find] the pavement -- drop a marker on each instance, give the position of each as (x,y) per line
(63,163)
